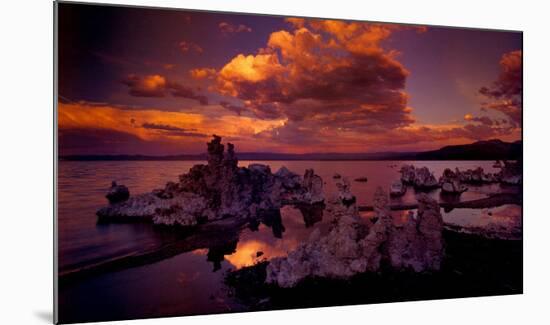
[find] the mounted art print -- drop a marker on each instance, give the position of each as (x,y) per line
(211,162)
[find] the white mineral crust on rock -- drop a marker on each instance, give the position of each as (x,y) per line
(220,189)
(355,245)
(421,178)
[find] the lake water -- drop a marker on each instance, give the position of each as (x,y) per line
(192,282)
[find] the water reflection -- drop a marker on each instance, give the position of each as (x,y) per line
(192,281)
(82,186)
(216,254)
(272,219)
(311,213)
(261,239)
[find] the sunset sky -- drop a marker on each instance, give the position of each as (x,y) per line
(161,82)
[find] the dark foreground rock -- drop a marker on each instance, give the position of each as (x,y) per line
(473,266)
(354,245)
(218,190)
(117,193)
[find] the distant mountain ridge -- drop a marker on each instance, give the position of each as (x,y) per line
(482,150)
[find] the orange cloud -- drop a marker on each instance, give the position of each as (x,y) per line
(296,22)
(157,86)
(179,132)
(151,124)
(202,73)
(148,86)
(245,70)
(331,71)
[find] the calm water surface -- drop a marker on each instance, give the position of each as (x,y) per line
(191,283)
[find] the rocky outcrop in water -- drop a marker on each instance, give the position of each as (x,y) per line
(117,193)
(511,173)
(220,189)
(476,176)
(397,189)
(421,178)
(355,245)
(450,183)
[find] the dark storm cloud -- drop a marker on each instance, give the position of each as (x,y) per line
(481,119)
(158,86)
(173,130)
(164,127)
(233,108)
(505,93)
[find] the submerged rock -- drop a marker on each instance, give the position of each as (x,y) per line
(220,189)
(355,245)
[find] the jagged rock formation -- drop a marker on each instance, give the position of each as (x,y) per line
(422,178)
(476,176)
(408,174)
(117,193)
(397,189)
(450,183)
(217,190)
(511,173)
(354,245)
(344,193)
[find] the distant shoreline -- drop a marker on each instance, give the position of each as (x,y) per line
(477,151)
(270,159)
